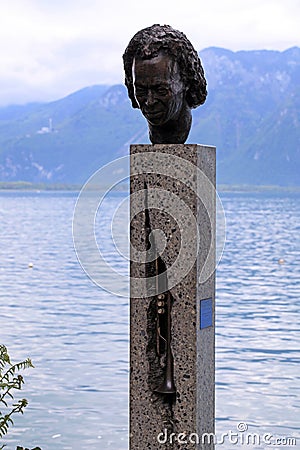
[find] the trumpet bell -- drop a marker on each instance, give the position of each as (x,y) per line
(167,387)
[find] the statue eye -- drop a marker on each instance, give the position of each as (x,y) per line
(140,92)
(162,91)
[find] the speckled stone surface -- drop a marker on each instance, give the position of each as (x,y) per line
(191,411)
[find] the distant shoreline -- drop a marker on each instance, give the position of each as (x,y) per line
(27,186)
(256,188)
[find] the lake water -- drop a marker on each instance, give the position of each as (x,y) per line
(77,334)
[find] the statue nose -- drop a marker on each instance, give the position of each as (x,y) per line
(150,98)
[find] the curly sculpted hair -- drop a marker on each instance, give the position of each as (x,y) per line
(147,43)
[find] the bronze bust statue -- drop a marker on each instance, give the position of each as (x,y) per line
(165,79)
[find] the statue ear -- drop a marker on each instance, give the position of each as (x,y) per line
(132,97)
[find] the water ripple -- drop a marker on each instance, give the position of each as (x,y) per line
(77,334)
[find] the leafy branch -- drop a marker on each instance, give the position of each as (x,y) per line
(10,380)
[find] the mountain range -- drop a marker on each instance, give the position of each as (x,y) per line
(252,116)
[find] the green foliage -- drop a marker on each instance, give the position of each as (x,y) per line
(22,448)
(10,380)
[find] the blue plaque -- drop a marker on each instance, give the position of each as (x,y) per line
(206,313)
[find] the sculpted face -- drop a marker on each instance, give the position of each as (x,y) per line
(158,89)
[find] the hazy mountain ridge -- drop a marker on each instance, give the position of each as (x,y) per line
(252,115)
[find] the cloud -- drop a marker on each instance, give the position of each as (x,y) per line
(50,48)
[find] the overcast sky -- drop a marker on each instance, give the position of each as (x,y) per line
(50,48)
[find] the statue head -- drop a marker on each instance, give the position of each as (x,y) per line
(165,79)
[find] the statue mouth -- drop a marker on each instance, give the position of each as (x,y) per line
(153,115)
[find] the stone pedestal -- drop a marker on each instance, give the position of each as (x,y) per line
(172,190)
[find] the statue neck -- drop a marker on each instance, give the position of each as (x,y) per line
(174,131)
